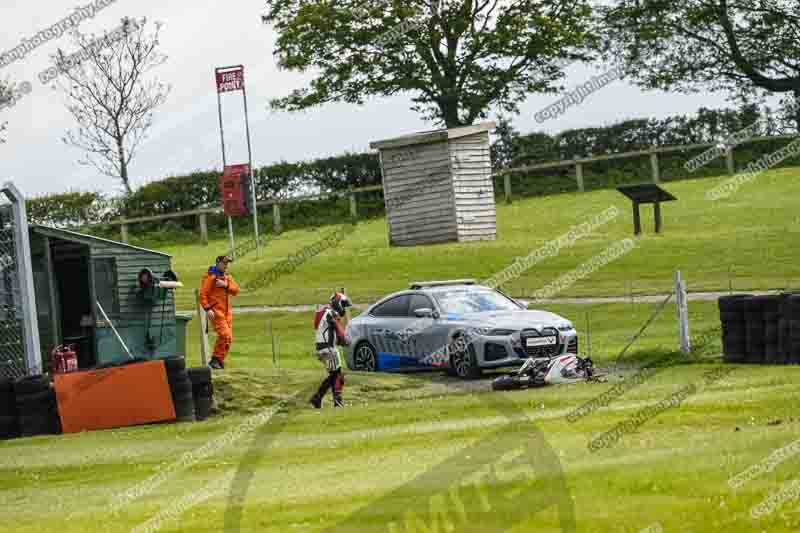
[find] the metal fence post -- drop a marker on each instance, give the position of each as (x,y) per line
(507,187)
(124,230)
(30,323)
(579,175)
(683,313)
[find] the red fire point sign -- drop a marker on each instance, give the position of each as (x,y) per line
(231,80)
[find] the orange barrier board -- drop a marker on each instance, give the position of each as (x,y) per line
(114,397)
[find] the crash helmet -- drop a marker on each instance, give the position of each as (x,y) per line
(340,302)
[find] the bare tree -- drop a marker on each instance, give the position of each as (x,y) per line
(5,97)
(108,95)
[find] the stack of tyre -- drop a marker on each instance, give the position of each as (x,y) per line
(181,388)
(789,328)
(734,331)
(761,329)
(9,419)
(202,391)
(37,406)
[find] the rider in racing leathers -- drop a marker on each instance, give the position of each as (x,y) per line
(329,334)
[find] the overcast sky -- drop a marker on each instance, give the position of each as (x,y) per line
(199,36)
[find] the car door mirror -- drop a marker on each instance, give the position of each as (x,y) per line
(425,312)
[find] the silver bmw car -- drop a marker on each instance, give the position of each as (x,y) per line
(458,325)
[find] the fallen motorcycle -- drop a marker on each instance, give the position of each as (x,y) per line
(541,371)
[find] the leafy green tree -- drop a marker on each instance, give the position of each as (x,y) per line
(458,59)
(745,47)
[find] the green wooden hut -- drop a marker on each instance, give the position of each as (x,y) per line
(73,271)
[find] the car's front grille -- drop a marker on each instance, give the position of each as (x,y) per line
(494,352)
(548,350)
(572,347)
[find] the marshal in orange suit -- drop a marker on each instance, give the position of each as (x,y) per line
(215,297)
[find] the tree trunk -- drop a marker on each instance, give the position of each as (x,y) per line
(123,168)
(450,113)
(796,106)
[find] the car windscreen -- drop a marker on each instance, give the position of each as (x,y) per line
(474,301)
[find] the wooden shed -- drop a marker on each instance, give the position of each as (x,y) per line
(438,186)
(73,271)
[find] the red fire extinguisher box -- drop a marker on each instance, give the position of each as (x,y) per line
(234,186)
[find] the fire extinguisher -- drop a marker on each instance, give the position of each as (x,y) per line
(64,359)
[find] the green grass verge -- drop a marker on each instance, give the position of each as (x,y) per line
(747,242)
(365,466)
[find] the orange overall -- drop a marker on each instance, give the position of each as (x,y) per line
(217,299)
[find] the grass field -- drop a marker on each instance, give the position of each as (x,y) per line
(748,241)
(407,442)
(430,454)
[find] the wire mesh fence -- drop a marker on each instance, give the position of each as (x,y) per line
(12,340)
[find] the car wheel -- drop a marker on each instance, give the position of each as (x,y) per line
(364,358)
(463,361)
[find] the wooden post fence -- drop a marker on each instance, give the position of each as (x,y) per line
(276,217)
(654,165)
(579,175)
(203,220)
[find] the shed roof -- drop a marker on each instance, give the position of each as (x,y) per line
(86,239)
(433,136)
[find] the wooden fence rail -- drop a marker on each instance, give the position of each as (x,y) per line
(578,163)
(653,152)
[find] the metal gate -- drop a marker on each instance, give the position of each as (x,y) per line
(19,332)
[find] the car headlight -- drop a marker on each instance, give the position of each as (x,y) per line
(500,332)
(565,327)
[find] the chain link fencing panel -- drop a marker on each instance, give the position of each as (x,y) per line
(12,336)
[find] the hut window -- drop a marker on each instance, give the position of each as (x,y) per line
(106,284)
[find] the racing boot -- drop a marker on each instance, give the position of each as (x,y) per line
(337,400)
(316,401)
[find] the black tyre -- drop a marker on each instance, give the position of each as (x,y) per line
(202,408)
(755,352)
(771,303)
(731,316)
(175,364)
(9,427)
(772,355)
(31,385)
(33,425)
(771,333)
(733,303)
(184,408)
(737,355)
(8,404)
(791,307)
(199,375)
(754,304)
(180,388)
(784,339)
(464,362)
(754,317)
(365,358)
(37,402)
(203,390)
(506,383)
(47,423)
